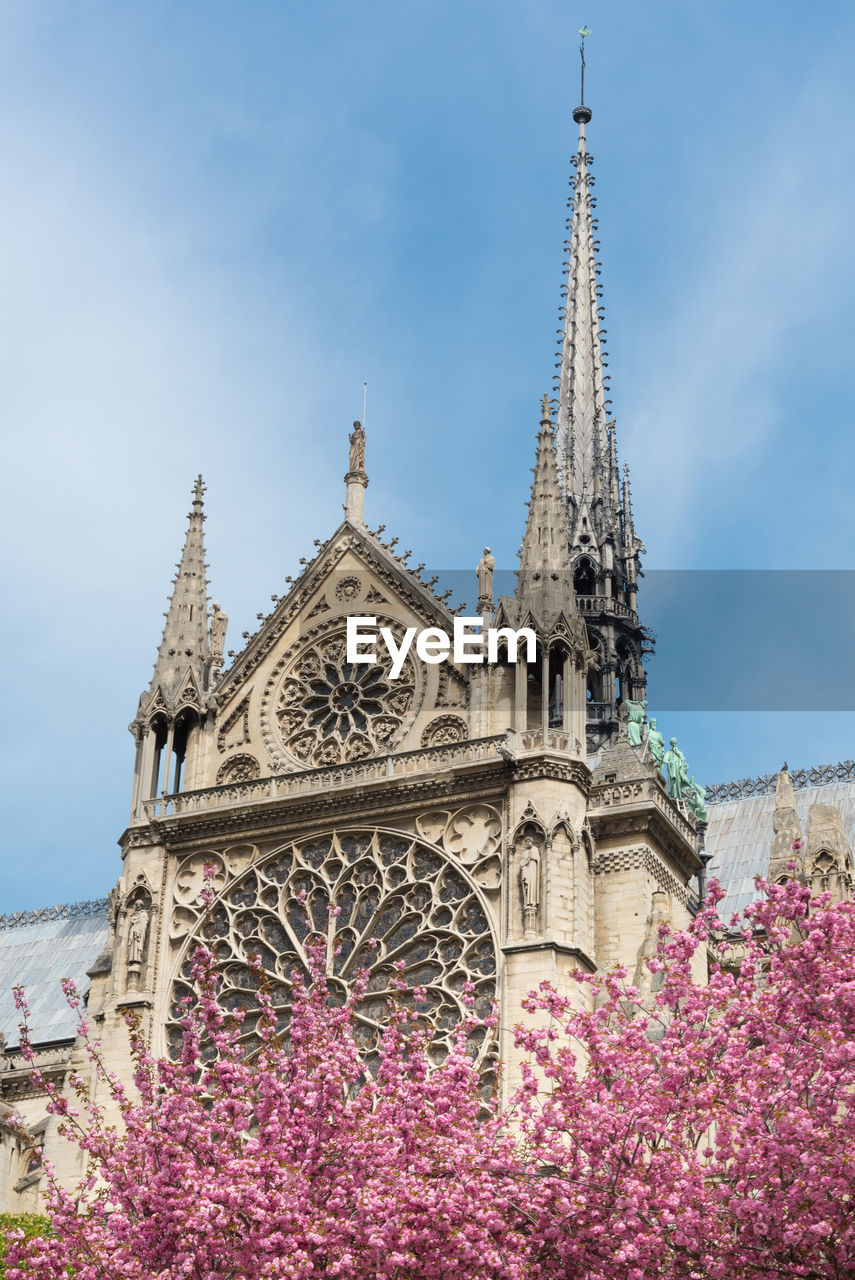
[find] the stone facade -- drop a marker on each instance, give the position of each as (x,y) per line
(455,813)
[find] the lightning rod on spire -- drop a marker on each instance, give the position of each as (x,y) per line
(583,31)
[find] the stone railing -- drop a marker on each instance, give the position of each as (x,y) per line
(55,1055)
(532,740)
(284,786)
(65,911)
(599,712)
(610,795)
(605,604)
(819,776)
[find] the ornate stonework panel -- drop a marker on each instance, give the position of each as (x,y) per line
(318,709)
(234,731)
(396,902)
(445,729)
(240,768)
(474,833)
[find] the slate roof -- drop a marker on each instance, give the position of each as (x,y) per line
(739,835)
(37,950)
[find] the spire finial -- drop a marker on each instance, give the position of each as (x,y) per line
(544,558)
(545,411)
(183,656)
(582,114)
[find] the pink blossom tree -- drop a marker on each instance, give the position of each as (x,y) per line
(708,1131)
(299,1163)
(702,1131)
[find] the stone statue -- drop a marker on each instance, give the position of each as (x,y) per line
(636,720)
(217,634)
(486,565)
(677,767)
(696,799)
(655,744)
(529,873)
(137,931)
(357,448)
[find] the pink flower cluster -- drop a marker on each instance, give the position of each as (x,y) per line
(704,1131)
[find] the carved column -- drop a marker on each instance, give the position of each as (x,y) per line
(520,695)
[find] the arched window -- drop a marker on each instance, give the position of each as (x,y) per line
(585,577)
(624,672)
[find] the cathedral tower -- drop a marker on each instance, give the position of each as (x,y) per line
(605,550)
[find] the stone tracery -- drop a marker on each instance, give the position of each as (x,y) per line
(421,911)
(322,710)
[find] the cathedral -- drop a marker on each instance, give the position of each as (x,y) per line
(497,822)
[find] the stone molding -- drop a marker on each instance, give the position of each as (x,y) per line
(641,857)
(320,782)
(15,1071)
(402,581)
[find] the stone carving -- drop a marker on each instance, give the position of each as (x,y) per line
(432,825)
(183,920)
(356,461)
(444,729)
(234,731)
(137,933)
(242,768)
(217,633)
(635,725)
(138,912)
(828,855)
(348,588)
(488,873)
(427,917)
(474,833)
(452,689)
(375,597)
(678,774)
(645,982)
(238,856)
(322,710)
(484,573)
(190,879)
(529,878)
(320,607)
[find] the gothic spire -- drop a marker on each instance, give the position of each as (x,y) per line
(581,383)
(183,654)
(544,578)
(604,549)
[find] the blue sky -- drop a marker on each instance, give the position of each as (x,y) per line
(219,219)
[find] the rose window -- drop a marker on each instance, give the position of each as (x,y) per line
(324,710)
(402,908)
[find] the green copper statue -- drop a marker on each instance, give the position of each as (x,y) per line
(677,767)
(655,744)
(636,720)
(696,799)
